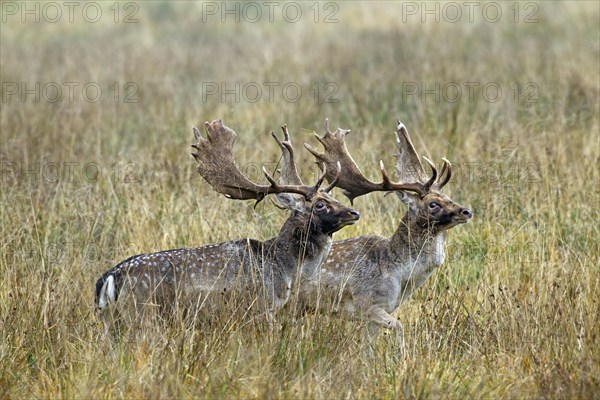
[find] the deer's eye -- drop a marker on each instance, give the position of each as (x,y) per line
(319,205)
(434,206)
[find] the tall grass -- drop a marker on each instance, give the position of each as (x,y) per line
(514,311)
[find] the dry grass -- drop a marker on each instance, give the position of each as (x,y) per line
(513,313)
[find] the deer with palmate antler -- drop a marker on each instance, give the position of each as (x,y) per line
(372,275)
(259,272)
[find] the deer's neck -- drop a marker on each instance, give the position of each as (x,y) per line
(417,242)
(300,244)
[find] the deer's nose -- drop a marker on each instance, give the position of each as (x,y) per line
(466,212)
(354,213)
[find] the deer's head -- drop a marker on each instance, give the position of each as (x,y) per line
(320,209)
(429,208)
(435,210)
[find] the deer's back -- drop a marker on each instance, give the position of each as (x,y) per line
(189,274)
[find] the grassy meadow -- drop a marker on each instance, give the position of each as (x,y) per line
(95,135)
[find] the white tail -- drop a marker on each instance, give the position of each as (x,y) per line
(107,293)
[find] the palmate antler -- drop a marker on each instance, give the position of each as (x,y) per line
(408,166)
(353,183)
(216,164)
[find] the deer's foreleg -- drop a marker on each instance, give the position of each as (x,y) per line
(381,318)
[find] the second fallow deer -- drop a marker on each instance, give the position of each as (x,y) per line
(372,275)
(260,272)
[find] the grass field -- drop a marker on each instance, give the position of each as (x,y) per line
(90,178)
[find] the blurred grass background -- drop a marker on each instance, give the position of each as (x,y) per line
(514,311)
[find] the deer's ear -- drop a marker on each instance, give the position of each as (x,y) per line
(291,201)
(408,198)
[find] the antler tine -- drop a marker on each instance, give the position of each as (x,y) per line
(335,180)
(444,167)
(307,191)
(390,186)
(289,173)
(447,168)
(384,174)
(269,178)
(327,126)
(285,144)
(286,134)
(197,133)
(217,166)
(321,177)
(434,173)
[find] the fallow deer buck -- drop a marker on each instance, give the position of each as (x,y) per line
(372,275)
(258,272)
